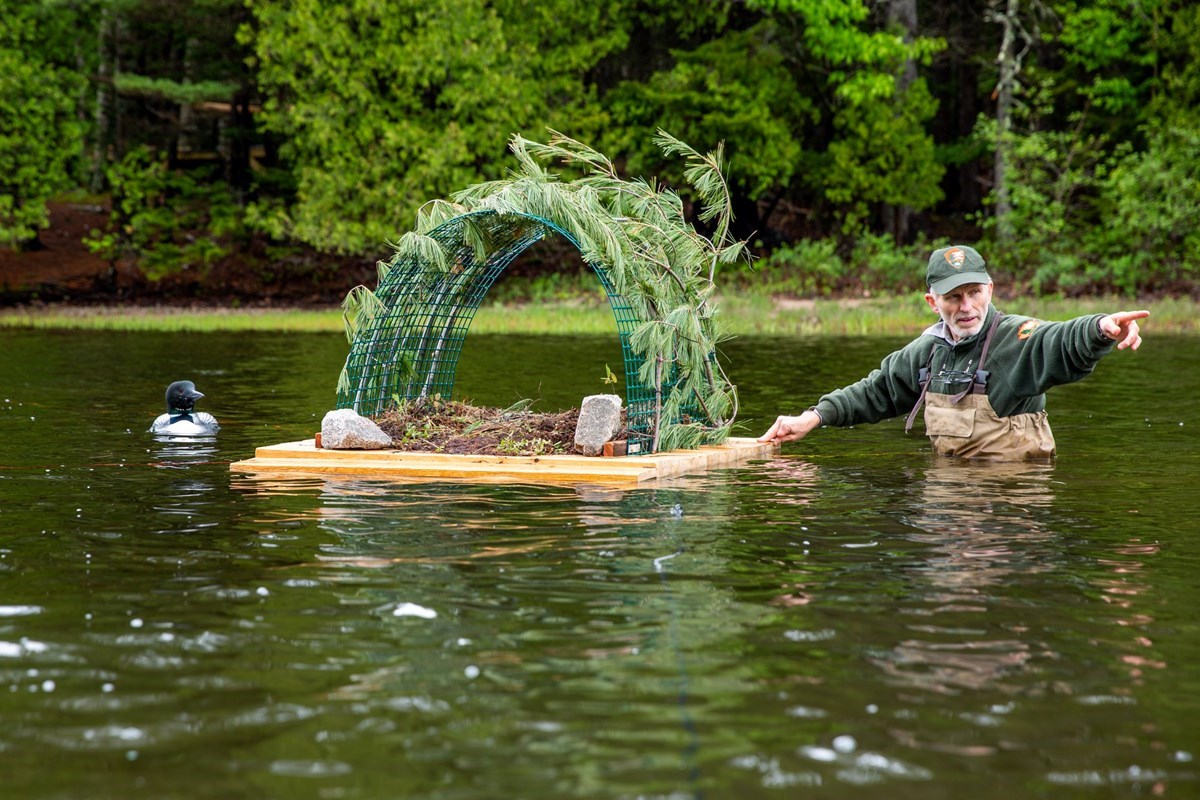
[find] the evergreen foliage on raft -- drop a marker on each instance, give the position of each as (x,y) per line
(657,268)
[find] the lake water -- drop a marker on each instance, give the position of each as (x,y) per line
(854,619)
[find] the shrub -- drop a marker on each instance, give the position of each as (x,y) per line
(1149,206)
(873,264)
(164,220)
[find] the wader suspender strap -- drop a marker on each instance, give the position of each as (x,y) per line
(926,377)
(979,385)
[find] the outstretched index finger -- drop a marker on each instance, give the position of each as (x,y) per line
(1122,317)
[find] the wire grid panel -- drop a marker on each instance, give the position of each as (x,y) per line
(410,350)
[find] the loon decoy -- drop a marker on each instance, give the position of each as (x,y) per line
(181,419)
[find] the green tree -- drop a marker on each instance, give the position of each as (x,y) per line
(876,149)
(171,75)
(1149,204)
(1145,236)
(164,220)
(1108,60)
(40,135)
(819,107)
(385,105)
(737,89)
(1099,183)
(1179,59)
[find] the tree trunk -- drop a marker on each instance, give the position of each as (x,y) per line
(1009,62)
(241,128)
(902,13)
(182,132)
(104,100)
(970,186)
(115,122)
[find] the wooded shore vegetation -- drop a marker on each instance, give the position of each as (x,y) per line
(1059,135)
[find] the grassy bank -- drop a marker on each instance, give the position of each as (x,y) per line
(743,315)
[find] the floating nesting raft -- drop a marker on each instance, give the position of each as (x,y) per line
(304,457)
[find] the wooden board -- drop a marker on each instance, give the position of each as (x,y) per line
(304,457)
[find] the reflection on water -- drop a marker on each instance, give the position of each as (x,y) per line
(183,446)
(856,618)
(981,526)
(181,452)
(981,523)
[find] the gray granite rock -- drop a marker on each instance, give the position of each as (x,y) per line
(599,421)
(345,430)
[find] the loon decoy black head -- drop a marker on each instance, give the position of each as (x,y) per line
(181,418)
(182,397)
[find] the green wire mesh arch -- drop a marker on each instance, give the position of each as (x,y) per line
(410,349)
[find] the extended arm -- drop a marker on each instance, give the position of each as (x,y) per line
(1046,354)
(886,392)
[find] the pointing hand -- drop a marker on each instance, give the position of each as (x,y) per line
(1122,327)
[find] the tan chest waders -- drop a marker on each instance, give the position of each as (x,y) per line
(965,424)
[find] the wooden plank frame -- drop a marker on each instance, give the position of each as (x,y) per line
(305,458)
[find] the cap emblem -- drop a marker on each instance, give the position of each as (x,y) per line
(955,257)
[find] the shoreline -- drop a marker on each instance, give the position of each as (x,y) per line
(742,315)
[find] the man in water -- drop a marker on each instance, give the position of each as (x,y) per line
(980,374)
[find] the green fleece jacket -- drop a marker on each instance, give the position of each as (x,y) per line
(1026,358)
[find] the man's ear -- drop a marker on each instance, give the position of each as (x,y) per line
(932,303)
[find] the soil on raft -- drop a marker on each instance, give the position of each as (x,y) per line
(451,426)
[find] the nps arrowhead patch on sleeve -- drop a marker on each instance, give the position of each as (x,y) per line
(1027,328)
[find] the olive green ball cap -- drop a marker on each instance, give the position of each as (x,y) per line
(954,266)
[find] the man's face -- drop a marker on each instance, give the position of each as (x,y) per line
(962,309)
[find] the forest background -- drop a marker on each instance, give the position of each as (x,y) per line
(213,147)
